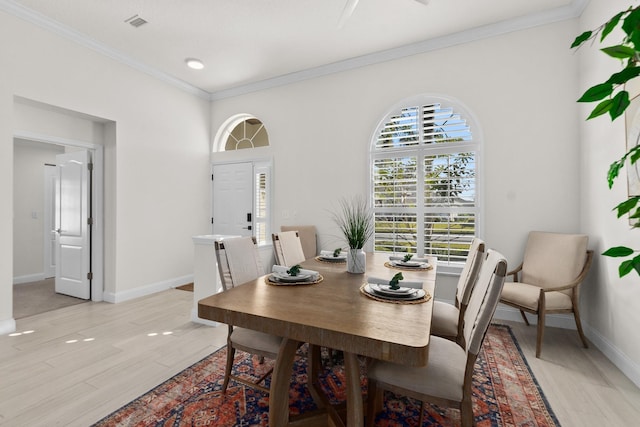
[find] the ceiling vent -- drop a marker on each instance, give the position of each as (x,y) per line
(136,21)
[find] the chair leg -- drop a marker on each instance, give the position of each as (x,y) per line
(524,316)
(231,352)
(374,400)
(466,412)
(421,419)
(576,315)
(541,319)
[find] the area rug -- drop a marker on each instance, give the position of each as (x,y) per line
(505,394)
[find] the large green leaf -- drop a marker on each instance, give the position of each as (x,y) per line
(624,75)
(614,171)
(627,266)
(631,23)
(619,51)
(597,92)
(627,205)
(601,108)
(634,154)
(609,26)
(581,39)
(620,103)
(618,251)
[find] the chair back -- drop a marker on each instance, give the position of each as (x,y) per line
(484,300)
(308,238)
(288,248)
(469,273)
(238,261)
(553,259)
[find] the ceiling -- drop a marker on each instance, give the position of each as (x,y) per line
(252,43)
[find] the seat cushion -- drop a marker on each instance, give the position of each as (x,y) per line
(442,377)
(444,322)
(256,340)
(526,295)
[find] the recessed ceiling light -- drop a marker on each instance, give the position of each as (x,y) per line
(196,64)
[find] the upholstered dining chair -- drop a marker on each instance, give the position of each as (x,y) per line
(447,319)
(287,248)
(548,279)
(239,262)
(446,380)
(308,238)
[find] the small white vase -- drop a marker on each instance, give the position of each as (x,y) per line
(356,261)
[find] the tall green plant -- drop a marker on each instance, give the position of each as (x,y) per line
(355,220)
(613,99)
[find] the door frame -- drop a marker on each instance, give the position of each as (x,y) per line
(97,202)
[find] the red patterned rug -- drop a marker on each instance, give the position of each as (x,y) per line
(505,394)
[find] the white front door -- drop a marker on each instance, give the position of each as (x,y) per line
(233,199)
(73,249)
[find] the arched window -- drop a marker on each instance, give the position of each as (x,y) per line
(247,133)
(424,166)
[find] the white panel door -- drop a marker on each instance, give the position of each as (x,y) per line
(233,199)
(73,250)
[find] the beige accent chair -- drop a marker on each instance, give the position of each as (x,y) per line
(446,380)
(308,238)
(287,248)
(548,280)
(239,262)
(447,319)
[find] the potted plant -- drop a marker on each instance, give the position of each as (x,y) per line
(355,220)
(613,98)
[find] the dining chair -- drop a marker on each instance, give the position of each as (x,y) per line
(308,238)
(548,279)
(446,380)
(287,248)
(239,262)
(447,319)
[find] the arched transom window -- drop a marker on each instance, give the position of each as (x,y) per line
(248,133)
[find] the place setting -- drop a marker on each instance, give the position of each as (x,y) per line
(336,256)
(290,276)
(396,290)
(408,262)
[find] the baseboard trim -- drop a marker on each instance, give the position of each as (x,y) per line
(628,367)
(28,278)
(143,291)
(7,326)
(566,321)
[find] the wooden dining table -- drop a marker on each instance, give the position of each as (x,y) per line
(333,313)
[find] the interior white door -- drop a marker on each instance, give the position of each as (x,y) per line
(49,215)
(73,248)
(233,199)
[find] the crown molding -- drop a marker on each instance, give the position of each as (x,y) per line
(56,27)
(570,11)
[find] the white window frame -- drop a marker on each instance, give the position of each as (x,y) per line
(420,152)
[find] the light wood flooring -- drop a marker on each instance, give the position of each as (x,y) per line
(81,363)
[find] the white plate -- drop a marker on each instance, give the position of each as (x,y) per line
(333,258)
(413,264)
(284,277)
(386,289)
(419,293)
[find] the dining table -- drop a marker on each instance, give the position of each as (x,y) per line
(333,312)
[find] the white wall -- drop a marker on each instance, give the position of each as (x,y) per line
(521,88)
(612,304)
(156,186)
